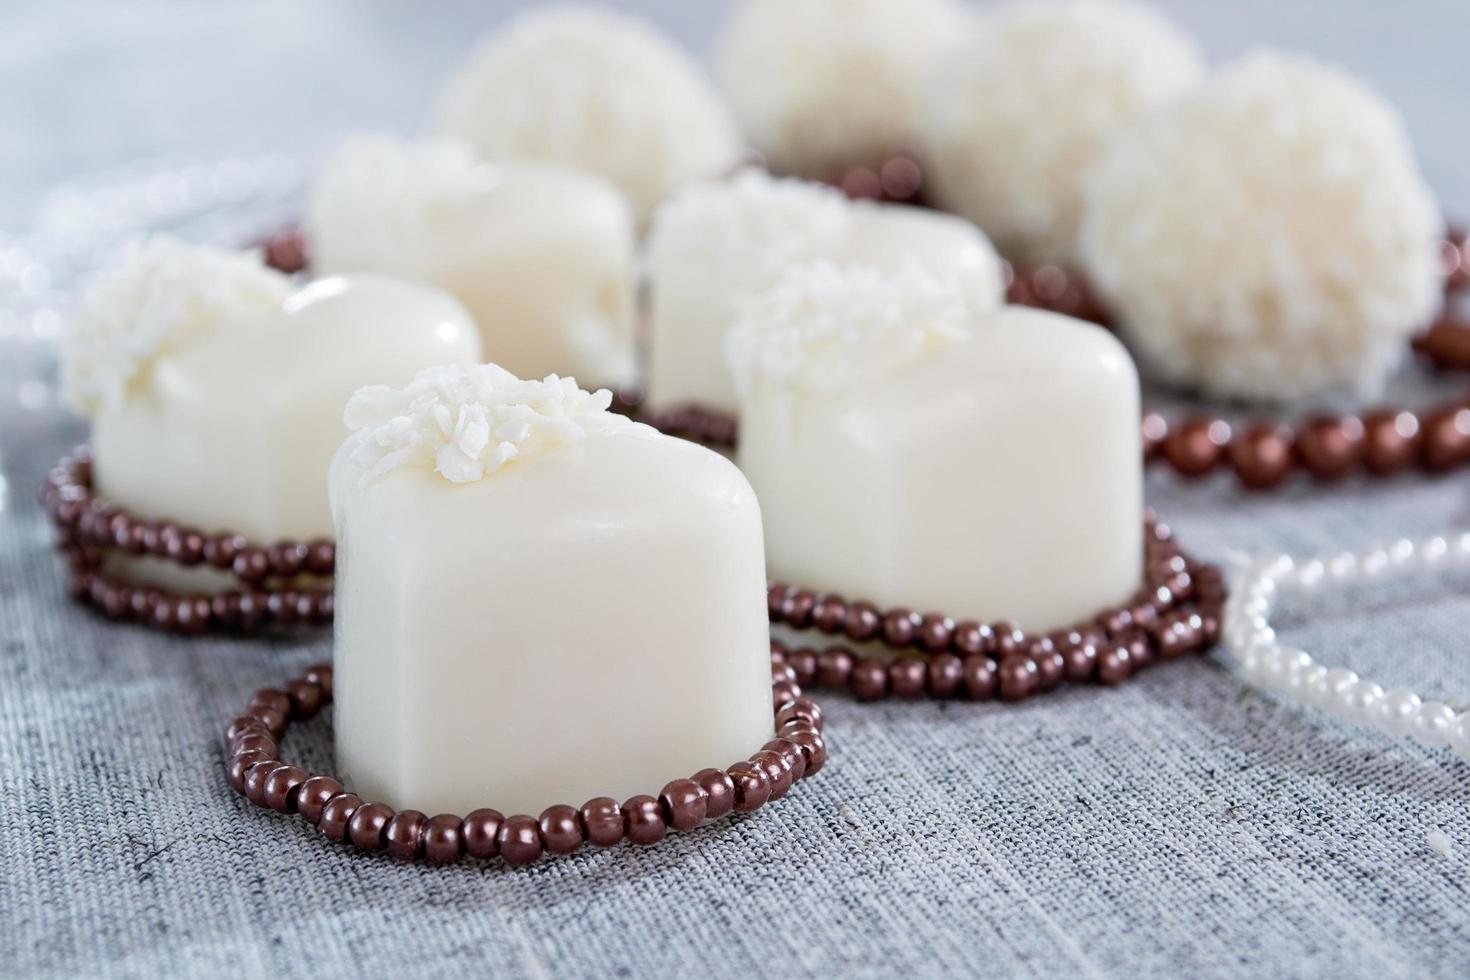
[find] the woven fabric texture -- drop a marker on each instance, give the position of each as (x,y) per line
(1178,825)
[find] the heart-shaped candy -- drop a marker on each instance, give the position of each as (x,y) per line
(541,256)
(911,453)
(222,389)
(717,243)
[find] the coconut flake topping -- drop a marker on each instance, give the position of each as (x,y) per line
(466,422)
(825,328)
(162,296)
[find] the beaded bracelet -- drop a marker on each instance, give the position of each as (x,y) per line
(945,659)
(1168,593)
(88,525)
(257,773)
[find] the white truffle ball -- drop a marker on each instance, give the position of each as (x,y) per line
(1269,236)
(821,85)
(1019,111)
(594,89)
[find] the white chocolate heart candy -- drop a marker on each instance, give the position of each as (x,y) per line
(908,454)
(544,603)
(542,256)
(228,416)
(719,242)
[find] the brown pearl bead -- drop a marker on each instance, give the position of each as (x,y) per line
(906,677)
(1113,665)
(1329,446)
(797,607)
(1009,639)
(1081,661)
(777,769)
(561,831)
(804,662)
(321,675)
(479,830)
(1019,677)
(306,698)
(1196,446)
(869,679)
(443,842)
(791,752)
(602,821)
(752,788)
(1390,441)
(800,708)
(273,720)
(251,565)
(1051,667)
(980,677)
(366,827)
(281,787)
(784,692)
(834,667)
(242,763)
(936,632)
(719,790)
(1446,442)
(945,675)
(255,777)
(241,725)
(271,698)
(971,638)
(900,628)
(404,835)
(643,820)
(684,804)
(519,840)
(830,614)
(337,814)
(321,557)
(863,622)
(314,795)
(255,741)
(783,672)
(1140,652)
(813,747)
(220,550)
(1262,455)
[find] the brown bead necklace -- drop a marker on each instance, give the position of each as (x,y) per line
(88,526)
(1176,611)
(255,770)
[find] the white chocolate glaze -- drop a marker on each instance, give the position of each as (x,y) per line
(542,256)
(235,430)
(997,476)
(590,621)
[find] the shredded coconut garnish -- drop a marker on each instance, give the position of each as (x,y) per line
(825,327)
(164,295)
(382,203)
(467,422)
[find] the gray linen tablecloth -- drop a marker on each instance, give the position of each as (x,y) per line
(1180,825)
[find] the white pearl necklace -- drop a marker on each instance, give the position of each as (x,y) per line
(1292,673)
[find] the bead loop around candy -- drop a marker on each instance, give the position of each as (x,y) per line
(1176,611)
(88,526)
(252,763)
(1293,673)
